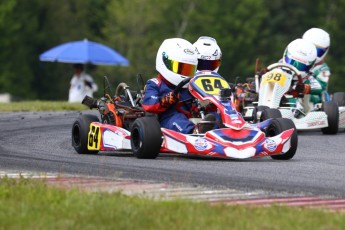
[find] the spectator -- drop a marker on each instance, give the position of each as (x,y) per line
(82,85)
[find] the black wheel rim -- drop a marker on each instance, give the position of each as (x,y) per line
(136,139)
(271,131)
(76,135)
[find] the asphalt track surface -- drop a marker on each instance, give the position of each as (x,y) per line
(41,142)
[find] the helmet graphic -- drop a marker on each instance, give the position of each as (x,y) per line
(320,39)
(301,54)
(176,60)
(209,54)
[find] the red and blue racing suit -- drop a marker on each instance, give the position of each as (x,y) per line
(174,117)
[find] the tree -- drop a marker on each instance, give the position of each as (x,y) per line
(244,29)
(18,38)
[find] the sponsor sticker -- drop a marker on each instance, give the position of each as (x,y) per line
(316,123)
(200,144)
(155,80)
(177,126)
(271,145)
(234,116)
(188,51)
(205,57)
(215,53)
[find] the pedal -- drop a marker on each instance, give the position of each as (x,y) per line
(90,102)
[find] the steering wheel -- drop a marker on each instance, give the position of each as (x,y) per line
(289,67)
(181,84)
(119,88)
(128,95)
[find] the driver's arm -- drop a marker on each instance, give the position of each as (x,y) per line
(315,86)
(153,102)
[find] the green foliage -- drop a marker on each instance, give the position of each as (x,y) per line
(245,30)
(31,204)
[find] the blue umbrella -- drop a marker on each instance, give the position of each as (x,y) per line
(84,51)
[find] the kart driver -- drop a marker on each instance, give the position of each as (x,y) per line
(176,60)
(209,54)
(320,71)
(209,58)
(301,54)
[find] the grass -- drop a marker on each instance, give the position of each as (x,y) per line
(29,204)
(40,106)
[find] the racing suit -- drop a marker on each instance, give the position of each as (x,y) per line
(321,72)
(174,117)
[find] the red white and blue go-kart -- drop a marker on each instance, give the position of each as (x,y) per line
(144,136)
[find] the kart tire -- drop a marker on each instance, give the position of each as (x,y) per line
(270,113)
(146,138)
(80,131)
(339,98)
(332,111)
(276,127)
(257,109)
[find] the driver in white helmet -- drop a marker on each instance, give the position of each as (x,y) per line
(209,54)
(301,54)
(176,60)
(209,58)
(320,71)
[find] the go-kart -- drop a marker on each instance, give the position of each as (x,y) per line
(236,138)
(274,101)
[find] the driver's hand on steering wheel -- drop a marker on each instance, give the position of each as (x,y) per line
(168,99)
(302,88)
(299,89)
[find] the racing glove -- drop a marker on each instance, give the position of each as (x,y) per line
(168,100)
(302,88)
(299,89)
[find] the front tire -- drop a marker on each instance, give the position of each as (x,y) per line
(80,131)
(146,138)
(276,127)
(332,111)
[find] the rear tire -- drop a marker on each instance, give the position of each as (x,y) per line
(332,111)
(270,113)
(339,98)
(80,131)
(146,137)
(276,127)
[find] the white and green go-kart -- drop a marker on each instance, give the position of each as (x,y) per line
(274,102)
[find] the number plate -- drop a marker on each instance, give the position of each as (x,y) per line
(211,85)
(94,137)
(275,77)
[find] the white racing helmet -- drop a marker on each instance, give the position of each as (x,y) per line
(209,54)
(320,39)
(301,54)
(176,60)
